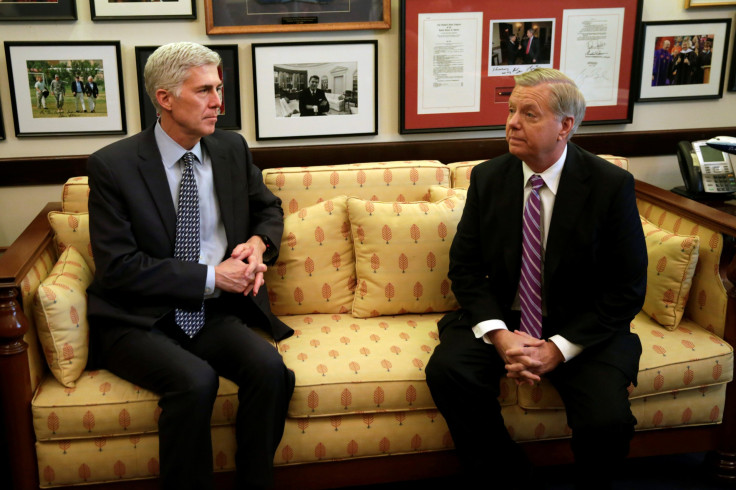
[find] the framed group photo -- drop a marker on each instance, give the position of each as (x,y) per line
(316,89)
(38,10)
(683,59)
(251,16)
(140,10)
(228,116)
(66,88)
(459,58)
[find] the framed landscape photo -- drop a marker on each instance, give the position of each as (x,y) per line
(66,88)
(38,10)
(683,59)
(138,10)
(229,114)
(459,58)
(317,89)
(250,16)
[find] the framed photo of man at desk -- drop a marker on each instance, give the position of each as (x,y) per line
(315,90)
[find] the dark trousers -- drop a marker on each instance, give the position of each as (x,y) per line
(185,373)
(463,376)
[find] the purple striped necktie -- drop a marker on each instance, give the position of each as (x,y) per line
(530,286)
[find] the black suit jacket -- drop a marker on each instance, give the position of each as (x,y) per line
(133,228)
(319,99)
(595,261)
(533,51)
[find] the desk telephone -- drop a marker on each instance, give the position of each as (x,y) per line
(705,169)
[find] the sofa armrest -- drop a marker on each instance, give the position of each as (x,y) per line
(15,379)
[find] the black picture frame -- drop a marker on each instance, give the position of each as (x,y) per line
(25,11)
(2,126)
(732,72)
(169,9)
(231,86)
(28,60)
(345,68)
(659,84)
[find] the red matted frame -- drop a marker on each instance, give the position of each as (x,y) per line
(494,90)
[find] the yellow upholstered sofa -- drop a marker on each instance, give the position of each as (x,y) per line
(362,279)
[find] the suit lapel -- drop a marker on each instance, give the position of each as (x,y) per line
(510,202)
(572,194)
(223,180)
(154,176)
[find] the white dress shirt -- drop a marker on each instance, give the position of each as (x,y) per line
(547,194)
(212,238)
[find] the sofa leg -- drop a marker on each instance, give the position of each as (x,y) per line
(721,465)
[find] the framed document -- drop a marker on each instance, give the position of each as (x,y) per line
(459,58)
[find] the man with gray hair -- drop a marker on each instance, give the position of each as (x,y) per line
(540,224)
(181,226)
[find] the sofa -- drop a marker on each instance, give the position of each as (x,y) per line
(361,278)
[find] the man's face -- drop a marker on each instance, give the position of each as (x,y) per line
(529,33)
(533,131)
(666,45)
(313,84)
(193,113)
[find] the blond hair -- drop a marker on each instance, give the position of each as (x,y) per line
(567,100)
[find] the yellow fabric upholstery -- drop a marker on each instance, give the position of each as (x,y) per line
(672,261)
(60,311)
(402,255)
(438,192)
(74,195)
(316,239)
(72,229)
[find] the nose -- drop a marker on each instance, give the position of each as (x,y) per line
(513,119)
(214,98)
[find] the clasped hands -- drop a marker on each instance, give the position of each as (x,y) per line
(243,271)
(526,357)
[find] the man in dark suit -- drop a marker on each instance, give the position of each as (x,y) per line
(173,324)
(592,282)
(530,48)
(511,49)
(91,91)
(78,93)
(312,100)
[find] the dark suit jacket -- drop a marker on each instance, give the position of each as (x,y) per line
(133,228)
(533,51)
(595,261)
(319,99)
(91,90)
(77,89)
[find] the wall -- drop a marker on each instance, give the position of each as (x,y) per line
(661,171)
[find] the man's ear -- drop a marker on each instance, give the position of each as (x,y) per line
(164,97)
(567,124)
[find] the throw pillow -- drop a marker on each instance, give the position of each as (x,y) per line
(72,229)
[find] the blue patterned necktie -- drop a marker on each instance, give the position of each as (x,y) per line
(186,246)
(530,286)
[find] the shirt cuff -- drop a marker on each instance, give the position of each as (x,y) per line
(567,348)
(481,329)
(209,285)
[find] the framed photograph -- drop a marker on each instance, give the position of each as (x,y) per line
(459,58)
(137,9)
(66,88)
(38,10)
(249,16)
(318,89)
(683,59)
(229,114)
(2,127)
(708,3)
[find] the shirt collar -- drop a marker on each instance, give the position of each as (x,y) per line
(551,176)
(171,151)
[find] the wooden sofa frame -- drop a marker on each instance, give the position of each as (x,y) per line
(15,390)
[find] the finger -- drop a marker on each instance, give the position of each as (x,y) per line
(241,251)
(257,283)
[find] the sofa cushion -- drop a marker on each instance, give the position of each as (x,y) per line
(74,195)
(72,229)
(315,271)
(460,172)
(402,255)
(60,312)
(438,192)
(672,261)
(299,187)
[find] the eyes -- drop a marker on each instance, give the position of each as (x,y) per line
(527,114)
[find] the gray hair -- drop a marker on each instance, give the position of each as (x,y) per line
(168,67)
(567,99)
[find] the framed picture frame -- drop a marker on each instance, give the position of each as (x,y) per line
(2,127)
(683,59)
(45,96)
(229,116)
(25,11)
(136,10)
(459,58)
(285,95)
(251,16)
(709,3)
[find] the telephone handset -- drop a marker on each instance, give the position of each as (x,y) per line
(705,169)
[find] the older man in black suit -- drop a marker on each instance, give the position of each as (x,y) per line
(181,225)
(312,100)
(549,267)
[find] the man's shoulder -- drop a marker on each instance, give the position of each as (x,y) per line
(125,146)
